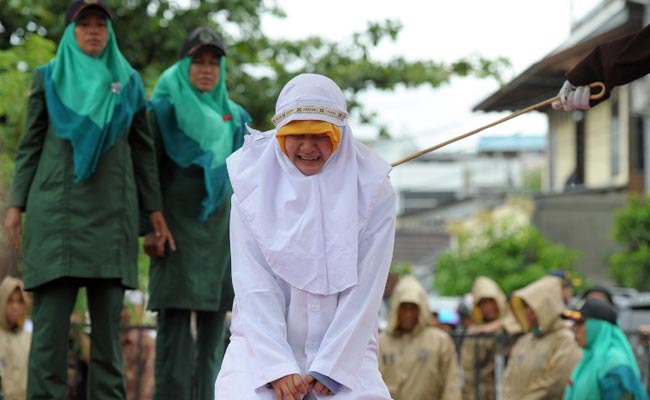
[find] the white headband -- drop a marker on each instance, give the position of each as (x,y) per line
(340,116)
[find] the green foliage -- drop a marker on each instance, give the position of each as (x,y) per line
(143,268)
(16,66)
(150,33)
(533,180)
(513,259)
(631,229)
(401,269)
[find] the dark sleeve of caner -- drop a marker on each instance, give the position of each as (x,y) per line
(145,166)
(614,63)
(31,144)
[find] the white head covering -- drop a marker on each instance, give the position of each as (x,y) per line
(308,227)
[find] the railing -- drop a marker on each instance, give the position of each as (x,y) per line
(640,345)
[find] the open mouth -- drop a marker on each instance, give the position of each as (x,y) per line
(309,159)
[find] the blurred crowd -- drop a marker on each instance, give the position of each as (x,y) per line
(532,344)
(539,342)
(137,340)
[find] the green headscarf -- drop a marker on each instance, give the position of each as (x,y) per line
(607,351)
(200,128)
(90,100)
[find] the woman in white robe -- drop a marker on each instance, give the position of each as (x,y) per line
(310,258)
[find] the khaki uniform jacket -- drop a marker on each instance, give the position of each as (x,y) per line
(14,349)
(540,364)
(419,365)
(480,352)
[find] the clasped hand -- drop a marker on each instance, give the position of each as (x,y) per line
(294,387)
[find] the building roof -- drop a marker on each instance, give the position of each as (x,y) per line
(543,79)
(511,144)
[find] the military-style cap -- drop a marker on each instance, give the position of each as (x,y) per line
(201,37)
(599,289)
(592,308)
(77,7)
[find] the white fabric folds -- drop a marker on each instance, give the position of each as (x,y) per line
(303,223)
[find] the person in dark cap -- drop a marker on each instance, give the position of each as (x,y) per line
(78,7)
(608,369)
(196,126)
(85,164)
(598,292)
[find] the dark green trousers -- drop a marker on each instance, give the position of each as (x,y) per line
(186,368)
(47,376)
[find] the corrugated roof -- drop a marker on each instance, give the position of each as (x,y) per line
(511,143)
(543,79)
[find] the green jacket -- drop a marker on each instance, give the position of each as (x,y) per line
(87,229)
(197,275)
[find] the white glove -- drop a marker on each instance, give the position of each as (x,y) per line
(572,97)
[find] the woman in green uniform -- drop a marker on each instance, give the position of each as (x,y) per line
(85,165)
(197,126)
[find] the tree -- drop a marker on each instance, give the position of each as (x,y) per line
(16,65)
(150,33)
(513,258)
(631,229)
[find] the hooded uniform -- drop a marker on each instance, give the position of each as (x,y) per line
(541,361)
(421,364)
(480,352)
(14,347)
(310,257)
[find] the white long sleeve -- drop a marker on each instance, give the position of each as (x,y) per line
(342,350)
(260,305)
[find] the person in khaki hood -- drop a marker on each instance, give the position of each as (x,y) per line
(477,353)
(14,340)
(417,361)
(541,361)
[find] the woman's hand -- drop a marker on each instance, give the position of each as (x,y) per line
(13,226)
(154,242)
(289,387)
(313,384)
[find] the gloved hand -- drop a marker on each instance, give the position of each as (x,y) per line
(572,97)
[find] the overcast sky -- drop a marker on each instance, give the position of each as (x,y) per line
(522,30)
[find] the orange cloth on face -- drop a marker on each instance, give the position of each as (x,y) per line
(309,127)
